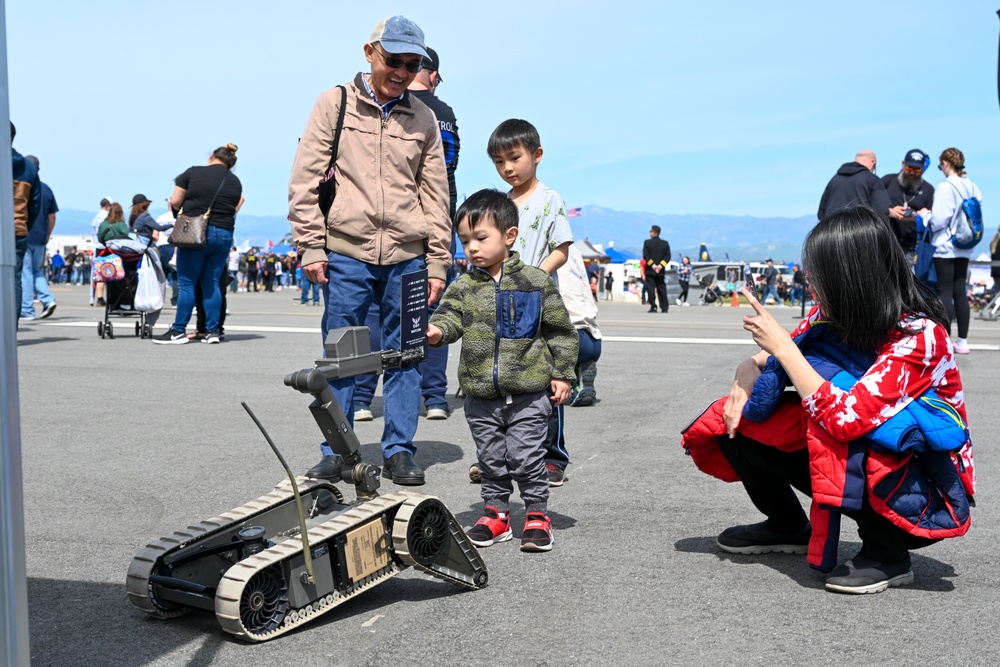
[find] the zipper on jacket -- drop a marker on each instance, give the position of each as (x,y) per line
(946,408)
(496,334)
(380,156)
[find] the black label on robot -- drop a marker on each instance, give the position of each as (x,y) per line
(413,309)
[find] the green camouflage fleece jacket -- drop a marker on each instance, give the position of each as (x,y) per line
(516,334)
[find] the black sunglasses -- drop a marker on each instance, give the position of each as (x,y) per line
(395,62)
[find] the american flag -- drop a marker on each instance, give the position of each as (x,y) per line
(574,213)
(270,243)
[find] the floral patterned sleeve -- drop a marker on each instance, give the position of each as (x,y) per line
(906,368)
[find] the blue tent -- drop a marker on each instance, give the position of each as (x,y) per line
(620,256)
(281,249)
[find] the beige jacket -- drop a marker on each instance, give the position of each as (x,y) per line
(392,184)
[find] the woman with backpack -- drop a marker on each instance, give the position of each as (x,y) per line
(950,260)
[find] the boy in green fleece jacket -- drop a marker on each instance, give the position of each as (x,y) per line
(517,342)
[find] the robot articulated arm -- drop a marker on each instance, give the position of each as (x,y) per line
(348,353)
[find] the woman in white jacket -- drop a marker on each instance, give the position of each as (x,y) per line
(951,263)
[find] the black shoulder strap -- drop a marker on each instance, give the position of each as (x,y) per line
(340,127)
(221,183)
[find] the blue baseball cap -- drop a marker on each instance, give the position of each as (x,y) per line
(398,34)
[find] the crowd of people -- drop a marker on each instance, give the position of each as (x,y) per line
(918,214)
(861,360)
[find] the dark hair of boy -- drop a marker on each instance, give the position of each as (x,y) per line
(513,133)
(488,205)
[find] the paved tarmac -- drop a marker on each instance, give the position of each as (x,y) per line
(125,441)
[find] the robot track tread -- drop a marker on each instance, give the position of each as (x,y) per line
(231,587)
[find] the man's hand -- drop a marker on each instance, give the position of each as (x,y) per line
(896,212)
(435,288)
(316,272)
(561,389)
(434,335)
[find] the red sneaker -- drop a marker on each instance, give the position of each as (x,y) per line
(490,528)
(537,535)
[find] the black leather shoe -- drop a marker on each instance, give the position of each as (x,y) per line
(403,470)
(652,310)
(327,468)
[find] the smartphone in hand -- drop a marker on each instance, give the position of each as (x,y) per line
(750,283)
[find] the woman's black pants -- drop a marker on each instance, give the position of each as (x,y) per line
(769,475)
(951,272)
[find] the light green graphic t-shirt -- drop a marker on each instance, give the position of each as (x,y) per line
(542,225)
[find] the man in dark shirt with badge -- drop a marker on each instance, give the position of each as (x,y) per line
(433,371)
(908,193)
(424,88)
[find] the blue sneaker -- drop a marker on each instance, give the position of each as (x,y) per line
(362,412)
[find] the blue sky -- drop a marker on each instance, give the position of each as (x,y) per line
(711,107)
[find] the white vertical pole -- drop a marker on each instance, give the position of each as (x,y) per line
(14,649)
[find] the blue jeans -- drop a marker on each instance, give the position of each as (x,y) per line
(434,372)
(203,266)
(555,440)
(167,254)
(33,281)
(773,291)
(433,369)
(20,247)
(352,288)
(365,385)
(590,347)
(305,283)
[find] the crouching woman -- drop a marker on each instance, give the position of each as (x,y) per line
(876,429)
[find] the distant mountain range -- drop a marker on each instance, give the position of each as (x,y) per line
(742,237)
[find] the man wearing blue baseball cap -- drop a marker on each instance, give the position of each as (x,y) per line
(908,193)
(389,218)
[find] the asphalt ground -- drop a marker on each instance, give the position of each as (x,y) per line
(125,441)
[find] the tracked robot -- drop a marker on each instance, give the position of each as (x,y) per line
(277,562)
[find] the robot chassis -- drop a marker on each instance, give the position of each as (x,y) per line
(269,566)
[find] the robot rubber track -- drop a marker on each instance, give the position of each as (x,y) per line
(409,529)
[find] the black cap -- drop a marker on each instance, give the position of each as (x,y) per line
(916,158)
(140,199)
(432,63)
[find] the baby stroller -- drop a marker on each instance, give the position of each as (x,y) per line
(120,295)
(991,310)
(712,294)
